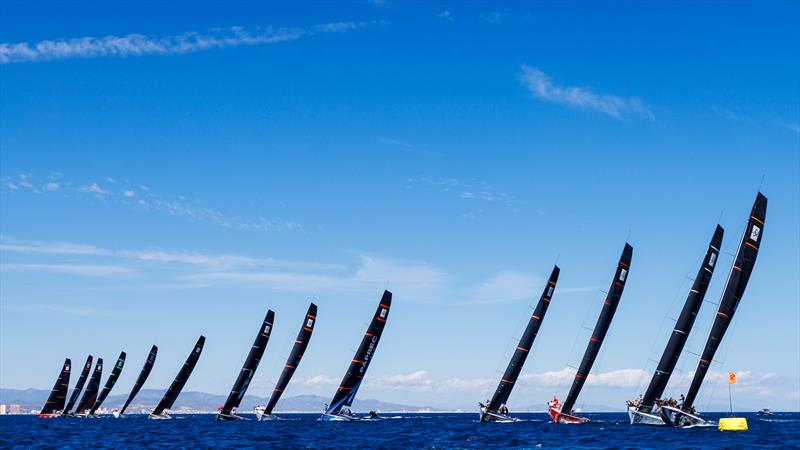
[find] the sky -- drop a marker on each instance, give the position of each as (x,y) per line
(171,170)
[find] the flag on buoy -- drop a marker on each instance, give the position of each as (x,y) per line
(732,377)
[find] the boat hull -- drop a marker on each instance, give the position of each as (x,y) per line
(163,416)
(642,418)
(682,419)
(337,418)
(229,417)
(48,416)
(558,417)
(496,417)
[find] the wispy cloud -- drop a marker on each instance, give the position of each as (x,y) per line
(540,85)
(494,18)
(206,260)
(445,15)
(139,44)
(89,270)
(145,200)
(76,311)
(418,280)
(421,381)
(473,190)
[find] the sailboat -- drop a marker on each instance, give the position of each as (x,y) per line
(339,407)
(58,395)
(562,412)
(160,411)
(112,380)
(78,386)
(148,366)
(644,411)
(90,394)
(228,410)
(295,356)
(685,415)
(495,410)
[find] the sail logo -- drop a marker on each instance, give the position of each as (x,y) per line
(267,327)
(623,274)
(549,292)
(383,313)
(151,358)
(198,349)
(755,233)
(310,323)
(373,342)
(712,259)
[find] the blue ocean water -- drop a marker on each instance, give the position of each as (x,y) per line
(609,430)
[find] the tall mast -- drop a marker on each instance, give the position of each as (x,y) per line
(180,380)
(514,368)
(295,356)
(112,380)
(348,388)
(601,328)
(90,394)
(148,366)
(58,395)
(79,385)
(684,324)
(734,290)
(249,367)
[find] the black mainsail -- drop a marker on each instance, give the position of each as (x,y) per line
(564,414)
(112,380)
(90,394)
(58,395)
(298,349)
(492,410)
(248,370)
(346,392)
(683,326)
(79,385)
(734,291)
(180,380)
(148,366)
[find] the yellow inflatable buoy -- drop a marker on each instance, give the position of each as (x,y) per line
(733,424)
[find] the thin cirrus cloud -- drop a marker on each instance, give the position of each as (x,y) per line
(154,256)
(142,198)
(139,44)
(90,270)
(542,87)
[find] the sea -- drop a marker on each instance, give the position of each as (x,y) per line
(414,431)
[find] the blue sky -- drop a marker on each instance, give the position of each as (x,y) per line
(175,170)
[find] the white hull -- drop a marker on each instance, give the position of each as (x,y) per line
(496,417)
(641,418)
(682,419)
(337,418)
(163,416)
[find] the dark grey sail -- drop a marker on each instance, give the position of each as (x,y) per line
(90,394)
(112,380)
(79,385)
(496,405)
(295,356)
(600,329)
(734,291)
(346,392)
(58,395)
(248,369)
(683,326)
(180,380)
(148,366)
